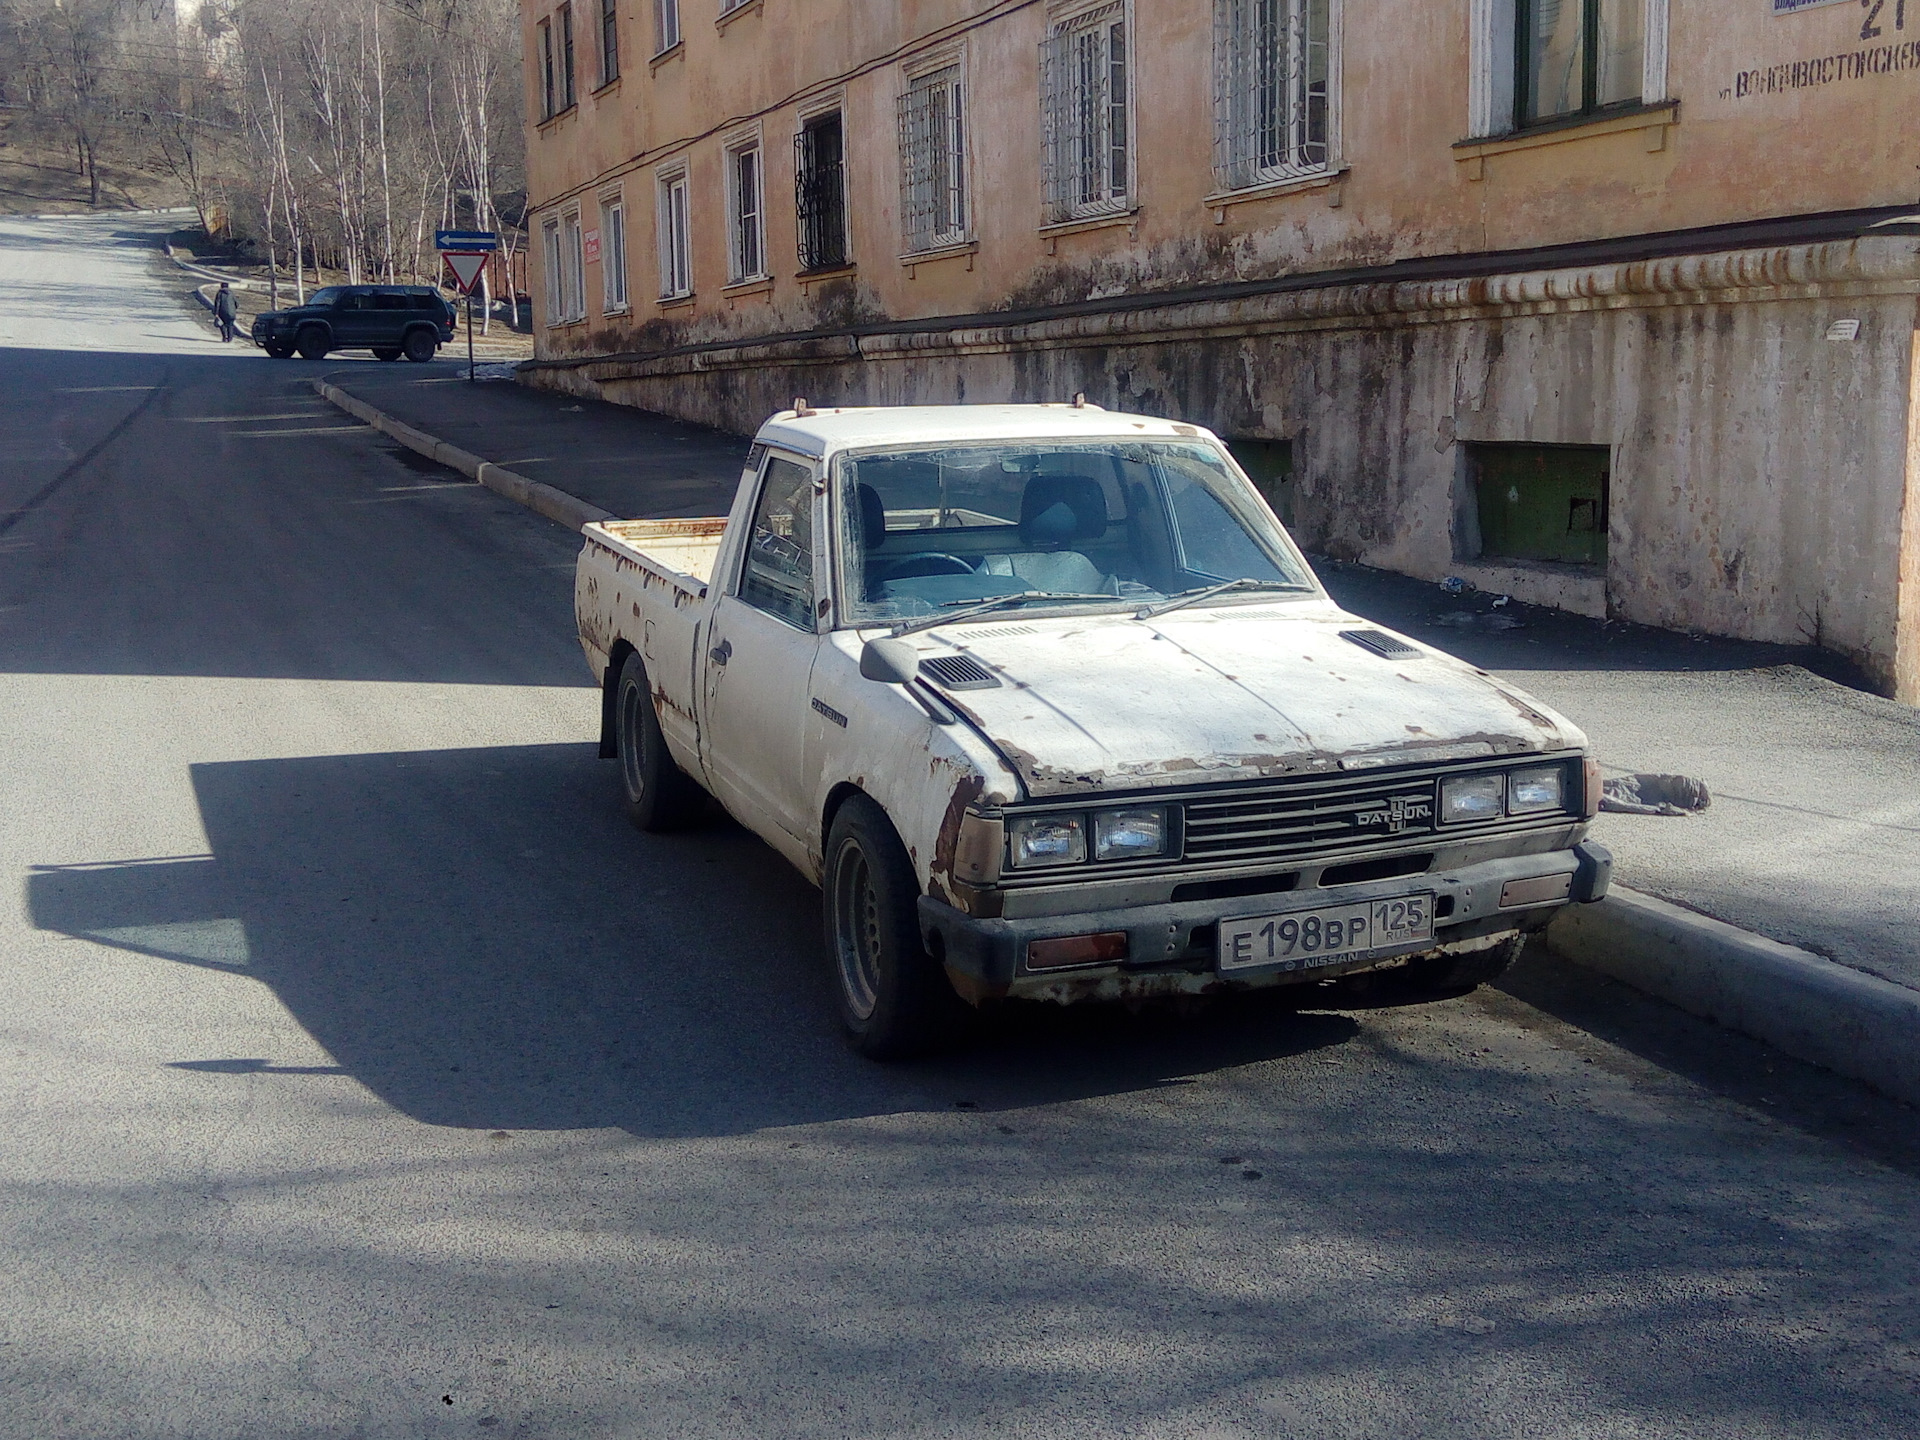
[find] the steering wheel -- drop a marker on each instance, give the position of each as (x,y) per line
(932,562)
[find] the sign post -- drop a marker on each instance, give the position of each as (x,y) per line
(466,253)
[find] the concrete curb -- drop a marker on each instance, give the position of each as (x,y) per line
(1850,1022)
(542,499)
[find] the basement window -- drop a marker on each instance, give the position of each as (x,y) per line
(1541,502)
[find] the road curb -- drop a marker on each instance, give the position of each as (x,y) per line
(542,499)
(1852,1023)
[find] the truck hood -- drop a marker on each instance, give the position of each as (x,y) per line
(1242,693)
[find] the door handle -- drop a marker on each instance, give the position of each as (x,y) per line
(721,653)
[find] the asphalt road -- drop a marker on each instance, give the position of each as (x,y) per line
(362,1074)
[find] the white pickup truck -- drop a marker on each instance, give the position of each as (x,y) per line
(1050,706)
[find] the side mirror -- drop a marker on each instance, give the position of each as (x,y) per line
(890,661)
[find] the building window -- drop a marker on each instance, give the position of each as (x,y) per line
(727,7)
(569,273)
(613,254)
(1573,57)
(746,257)
(548,93)
(820,192)
(550,233)
(666,25)
(609,41)
(1087,122)
(1273,79)
(933,161)
(673,240)
(565,17)
(1540,502)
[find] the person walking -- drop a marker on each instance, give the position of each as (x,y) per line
(225,311)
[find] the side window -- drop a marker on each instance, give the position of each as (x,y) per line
(778,577)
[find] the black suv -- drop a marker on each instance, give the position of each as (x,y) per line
(390,320)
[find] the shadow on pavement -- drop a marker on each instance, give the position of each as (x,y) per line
(478,938)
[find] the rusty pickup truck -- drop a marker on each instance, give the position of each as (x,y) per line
(1050,706)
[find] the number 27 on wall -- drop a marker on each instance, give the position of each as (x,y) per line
(1869,30)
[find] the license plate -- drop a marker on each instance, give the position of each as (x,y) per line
(1302,939)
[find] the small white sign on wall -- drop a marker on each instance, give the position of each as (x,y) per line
(1794,7)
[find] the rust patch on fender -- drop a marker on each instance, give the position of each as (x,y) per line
(964,795)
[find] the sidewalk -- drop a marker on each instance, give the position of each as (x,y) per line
(1813,838)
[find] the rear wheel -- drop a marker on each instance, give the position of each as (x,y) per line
(420,346)
(1445,975)
(385,352)
(895,1001)
(312,343)
(658,794)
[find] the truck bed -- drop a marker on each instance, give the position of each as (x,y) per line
(680,550)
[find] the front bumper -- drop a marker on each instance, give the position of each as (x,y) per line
(1172,947)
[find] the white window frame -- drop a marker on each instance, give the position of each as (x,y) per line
(673,230)
(727,7)
(1492,64)
(1261,51)
(1086,172)
(573,287)
(550,246)
(614,299)
(666,25)
(746,224)
(936,138)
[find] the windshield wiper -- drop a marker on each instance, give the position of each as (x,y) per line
(982,607)
(1207,592)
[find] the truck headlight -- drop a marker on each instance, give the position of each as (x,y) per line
(1541,788)
(1046,840)
(1472,797)
(1130,834)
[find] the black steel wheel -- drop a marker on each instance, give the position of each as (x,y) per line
(312,343)
(657,793)
(420,345)
(278,352)
(895,1001)
(385,352)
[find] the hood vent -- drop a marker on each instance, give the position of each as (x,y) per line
(958,672)
(1380,643)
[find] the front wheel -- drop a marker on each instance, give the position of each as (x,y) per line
(385,352)
(312,344)
(420,347)
(658,794)
(895,1001)
(278,352)
(1445,975)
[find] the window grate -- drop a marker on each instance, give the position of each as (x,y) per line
(1380,643)
(1272,90)
(1086,126)
(820,193)
(933,162)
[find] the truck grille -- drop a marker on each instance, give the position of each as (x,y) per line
(1321,816)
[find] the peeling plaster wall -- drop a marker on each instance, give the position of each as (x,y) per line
(1760,470)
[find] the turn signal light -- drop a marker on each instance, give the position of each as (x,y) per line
(1102,949)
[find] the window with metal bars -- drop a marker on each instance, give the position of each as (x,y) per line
(1272,90)
(747,251)
(674,240)
(1087,120)
(666,25)
(1575,57)
(820,192)
(933,161)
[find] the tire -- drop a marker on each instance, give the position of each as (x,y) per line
(1448,975)
(312,343)
(420,346)
(385,352)
(278,352)
(657,794)
(895,1002)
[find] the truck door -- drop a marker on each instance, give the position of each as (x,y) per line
(760,647)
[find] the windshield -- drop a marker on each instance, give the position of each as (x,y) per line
(1135,522)
(327,296)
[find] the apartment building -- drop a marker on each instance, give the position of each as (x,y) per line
(1605,304)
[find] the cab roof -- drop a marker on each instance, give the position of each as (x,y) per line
(821,432)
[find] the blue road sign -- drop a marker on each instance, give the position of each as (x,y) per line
(468,240)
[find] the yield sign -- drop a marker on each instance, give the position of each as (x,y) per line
(467,266)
